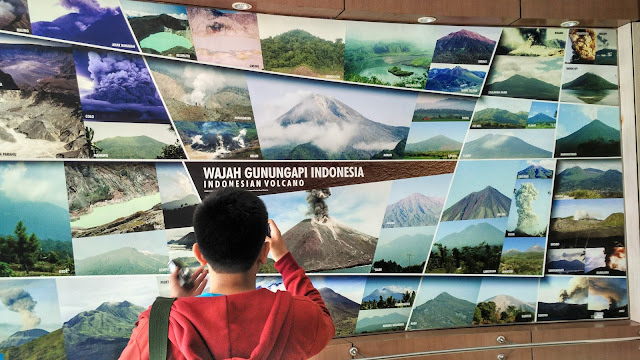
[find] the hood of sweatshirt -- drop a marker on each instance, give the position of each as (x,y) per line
(228,327)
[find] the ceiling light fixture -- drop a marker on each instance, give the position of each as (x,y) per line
(241,6)
(426,20)
(570,23)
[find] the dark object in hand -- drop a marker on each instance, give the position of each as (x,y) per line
(184,273)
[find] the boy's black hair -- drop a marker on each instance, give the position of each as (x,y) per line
(230,227)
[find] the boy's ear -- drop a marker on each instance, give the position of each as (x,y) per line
(264,253)
(198,254)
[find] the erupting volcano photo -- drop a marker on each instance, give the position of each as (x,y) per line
(342,239)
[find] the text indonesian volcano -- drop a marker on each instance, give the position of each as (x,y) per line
(322,118)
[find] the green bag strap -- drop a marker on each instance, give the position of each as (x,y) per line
(159,327)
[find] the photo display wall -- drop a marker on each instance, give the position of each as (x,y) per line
(424,176)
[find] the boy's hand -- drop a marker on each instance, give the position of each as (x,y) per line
(199,279)
(277,247)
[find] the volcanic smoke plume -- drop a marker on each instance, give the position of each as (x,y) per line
(583,43)
(318,208)
(121,79)
(616,258)
(20,301)
(527,218)
(610,290)
(577,291)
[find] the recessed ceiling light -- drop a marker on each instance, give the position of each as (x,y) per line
(426,20)
(241,6)
(571,23)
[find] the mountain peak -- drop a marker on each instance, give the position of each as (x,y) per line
(486,203)
(464,33)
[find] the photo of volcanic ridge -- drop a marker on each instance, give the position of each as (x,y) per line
(39,100)
(97,22)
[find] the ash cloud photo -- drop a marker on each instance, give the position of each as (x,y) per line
(195,92)
(84,21)
(117,87)
(608,297)
(305,120)
(530,208)
(563,298)
(14,16)
(30,319)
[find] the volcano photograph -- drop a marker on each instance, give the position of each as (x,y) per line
(467,247)
(608,298)
(195,92)
(588,131)
(122,254)
(445,302)
(219,140)
(590,84)
(565,261)
(506,301)
(119,140)
(522,256)
(588,179)
(113,198)
(226,37)
(537,169)
(328,121)
(14,16)
(508,144)
(39,101)
(31,324)
(592,46)
(82,21)
(342,295)
(161,29)
(331,229)
(587,222)
(461,79)
(609,260)
(563,298)
(435,140)
(102,76)
(99,316)
(180,242)
(35,214)
(179,196)
(530,208)
(389,292)
(474,197)
(543,115)
(536,78)
(465,45)
(402,250)
(534,42)
(318,45)
(416,201)
(388,54)
(500,113)
(437,107)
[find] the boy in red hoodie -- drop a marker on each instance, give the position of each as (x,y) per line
(234,320)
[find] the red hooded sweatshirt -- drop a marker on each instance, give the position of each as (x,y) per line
(256,325)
